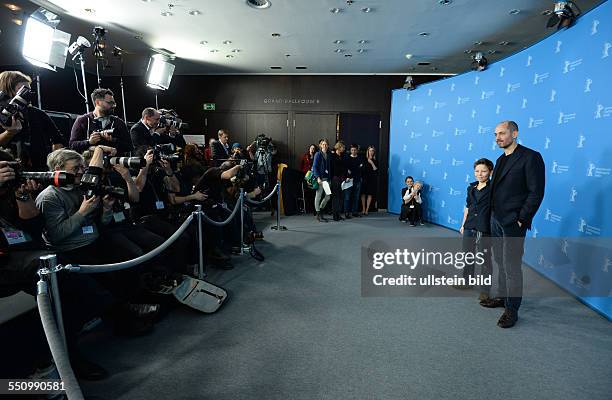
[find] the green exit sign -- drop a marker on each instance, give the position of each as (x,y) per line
(209,106)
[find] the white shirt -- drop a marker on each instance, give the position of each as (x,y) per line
(417,198)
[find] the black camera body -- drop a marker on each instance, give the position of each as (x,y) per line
(54,178)
(245,178)
(165,152)
(9,107)
(91,185)
(170,119)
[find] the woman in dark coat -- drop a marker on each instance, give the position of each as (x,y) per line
(369,187)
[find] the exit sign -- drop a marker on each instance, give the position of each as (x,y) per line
(209,106)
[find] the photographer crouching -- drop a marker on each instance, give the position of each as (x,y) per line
(29,133)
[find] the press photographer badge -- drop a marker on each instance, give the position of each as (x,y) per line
(14,236)
(87,230)
(159,205)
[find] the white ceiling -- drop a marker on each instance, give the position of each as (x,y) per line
(308,30)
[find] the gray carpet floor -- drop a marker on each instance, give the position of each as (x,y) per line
(297,327)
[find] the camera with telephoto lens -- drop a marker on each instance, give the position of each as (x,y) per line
(11,107)
(127,162)
(55,178)
(170,119)
(245,177)
(165,152)
(91,185)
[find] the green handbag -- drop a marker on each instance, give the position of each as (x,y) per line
(311,180)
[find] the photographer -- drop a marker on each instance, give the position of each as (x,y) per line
(262,150)
(101,127)
(82,298)
(30,134)
(146,133)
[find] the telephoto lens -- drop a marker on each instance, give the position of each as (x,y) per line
(128,162)
(55,178)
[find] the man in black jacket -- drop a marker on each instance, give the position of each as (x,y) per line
(517,190)
(146,133)
(220,148)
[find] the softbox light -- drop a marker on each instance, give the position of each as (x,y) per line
(43,44)
(159,72)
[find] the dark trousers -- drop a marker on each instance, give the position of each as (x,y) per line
(351,197)
(478,242)
(337,198)
(508,247)
(413,215)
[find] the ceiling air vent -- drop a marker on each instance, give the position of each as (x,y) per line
(423,63)
(259,4)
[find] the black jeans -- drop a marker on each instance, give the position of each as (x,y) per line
(478,242)
(508,248)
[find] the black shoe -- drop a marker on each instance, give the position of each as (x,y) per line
(411,224)
(347,216)
(508,319)
(493,303)
(88,371)
(356,215)
(321,217)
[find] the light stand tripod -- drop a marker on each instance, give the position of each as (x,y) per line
(118,52)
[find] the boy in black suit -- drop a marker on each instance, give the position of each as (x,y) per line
(517,190)
(476,225)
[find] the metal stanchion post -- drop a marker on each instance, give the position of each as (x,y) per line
(241,221)
(201,271)
(49,262)
(278,226)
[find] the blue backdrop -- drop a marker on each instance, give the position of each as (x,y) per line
(559,91)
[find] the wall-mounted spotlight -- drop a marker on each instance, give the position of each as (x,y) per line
(43,44)
(564,15)
(78,47)
(479,62)
(159,72)
(409,83)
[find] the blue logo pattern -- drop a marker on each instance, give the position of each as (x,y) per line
(559,91)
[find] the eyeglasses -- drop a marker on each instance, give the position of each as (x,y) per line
(76,169)
(111,103)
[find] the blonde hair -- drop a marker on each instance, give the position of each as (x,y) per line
(339,144)
(368,152)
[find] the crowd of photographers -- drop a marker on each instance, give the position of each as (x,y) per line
(108,194)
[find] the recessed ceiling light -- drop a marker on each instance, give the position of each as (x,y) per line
(335,10)
(214,51)
(424,34)
(469,51)
(146,1)
(12,7)
(195,12)
(17,21)
(338,50)
(348,55)
(504,43)
(408,56)
(424,63)
(259,4)
(276,35)
(227,42)
(362,41)
(276,67)
(203,42)
(287,55)
(338,41)
(366,9)
(301,67)
(434,68)
(547,12)
(445,2)
(236,50)
(90,11)
(138,37)
(166,14)
(478,43)
(492,51)
(229,56)
(361,50)
(515,11)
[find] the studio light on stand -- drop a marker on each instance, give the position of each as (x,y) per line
(44,45)
(564,15)
(98,48)
(77,49)
(118,52)
(479,62)
(159,73)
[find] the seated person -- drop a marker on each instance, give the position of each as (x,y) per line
(409,181)
(413,201)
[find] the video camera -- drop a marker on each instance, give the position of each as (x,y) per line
(245,177)
(263,143)
(170,119)
(11,107)
(55,178)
